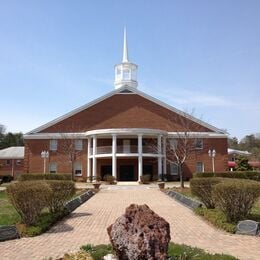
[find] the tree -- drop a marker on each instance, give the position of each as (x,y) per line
(10,139)
(242,164)
(181,146)
(233,143)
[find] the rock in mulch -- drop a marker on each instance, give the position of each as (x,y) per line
(140,234)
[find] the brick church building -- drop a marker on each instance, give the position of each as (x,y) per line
(125,133)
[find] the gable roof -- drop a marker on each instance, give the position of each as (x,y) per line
(125,90)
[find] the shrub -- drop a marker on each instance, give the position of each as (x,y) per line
(81,255)
(236,174)
(202,188)
(236,198)
(110,179)
(145,179)
(6,178)
(99,251)
(44,176)
(61,192)
(29,198)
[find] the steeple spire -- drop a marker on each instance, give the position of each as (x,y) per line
(126,71)
(125,51)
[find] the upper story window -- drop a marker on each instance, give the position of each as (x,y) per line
(53,145)
(53,167)
(200,167)
(173,143)
(198,144)
(78,145)
(8,162)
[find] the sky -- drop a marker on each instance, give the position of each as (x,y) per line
(201,56)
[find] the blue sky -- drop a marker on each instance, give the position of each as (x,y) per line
(195,55)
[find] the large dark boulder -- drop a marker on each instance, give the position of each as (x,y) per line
(140,234)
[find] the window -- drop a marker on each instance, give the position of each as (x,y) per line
(174,169)
(126,74)
(53,145)
(198,144)
(173,143)
(78,145)
(18,162)
(77,169)
(126,146)
(8,162)
(200,167)
(53,167)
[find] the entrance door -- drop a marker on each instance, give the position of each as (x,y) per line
(127,173)
(106,170)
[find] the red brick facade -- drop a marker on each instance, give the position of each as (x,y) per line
(122,111)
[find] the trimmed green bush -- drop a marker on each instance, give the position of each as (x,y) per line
(44,176)
(61,192)
(29,198)
(235,174)
(202,188)
(236,198)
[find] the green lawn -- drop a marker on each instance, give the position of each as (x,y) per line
(8,214)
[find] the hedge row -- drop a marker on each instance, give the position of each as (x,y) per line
(44,176)
(30,197)
(235,198)
(235,174)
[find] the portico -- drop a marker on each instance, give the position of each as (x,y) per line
(117,144)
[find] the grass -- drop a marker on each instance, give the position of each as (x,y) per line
(175,251)
(8,214)
(216,217)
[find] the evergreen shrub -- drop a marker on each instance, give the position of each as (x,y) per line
(44,176)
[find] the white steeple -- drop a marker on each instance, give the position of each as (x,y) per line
(125,72)
(125,50)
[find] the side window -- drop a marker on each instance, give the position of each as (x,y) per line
(8,162)
(174,169)
(18,162)
(53,145)
(53,167)
(173,143)
(78,145)
(198,144)
(77,169)
(200,167)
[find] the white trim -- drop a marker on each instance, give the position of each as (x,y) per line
(117,91)
(196,135)
(124,131)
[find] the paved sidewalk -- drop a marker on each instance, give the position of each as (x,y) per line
(89,222)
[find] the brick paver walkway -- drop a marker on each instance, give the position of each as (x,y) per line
(89,222)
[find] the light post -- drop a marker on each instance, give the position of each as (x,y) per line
(44,155)
(212,154)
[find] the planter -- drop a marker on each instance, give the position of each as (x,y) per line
(161,185)
(96,186)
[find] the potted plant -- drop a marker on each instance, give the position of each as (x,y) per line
(161,185)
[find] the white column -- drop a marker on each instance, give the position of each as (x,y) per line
(89,160)
(114,146)
(140,156)
(94,160)
(164,156)
(159,148)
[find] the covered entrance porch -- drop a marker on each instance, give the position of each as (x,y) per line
(127,154)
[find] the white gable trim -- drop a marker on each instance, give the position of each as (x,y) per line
(117,91)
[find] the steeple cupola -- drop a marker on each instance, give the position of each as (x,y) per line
(125,72)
